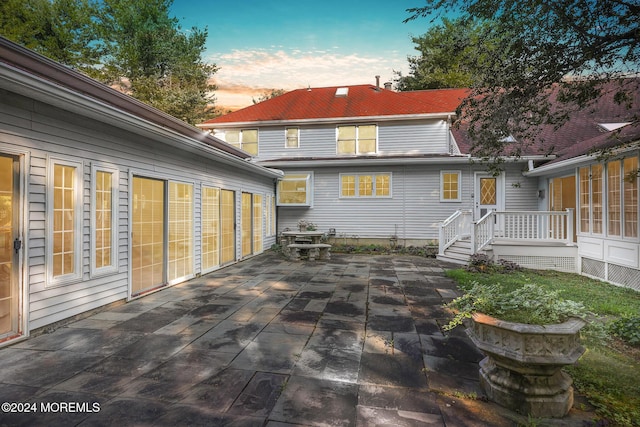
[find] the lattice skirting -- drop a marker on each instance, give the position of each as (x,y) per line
(620,275)
(567,264)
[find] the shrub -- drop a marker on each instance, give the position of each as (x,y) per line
(528,304)
(480,263)
(627,329)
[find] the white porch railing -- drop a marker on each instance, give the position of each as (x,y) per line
(521,226)
(458,225)
(483,232)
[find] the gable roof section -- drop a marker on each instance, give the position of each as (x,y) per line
(22,69)
(583,131)
(360,101)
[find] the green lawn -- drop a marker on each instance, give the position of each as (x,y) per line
(608,374)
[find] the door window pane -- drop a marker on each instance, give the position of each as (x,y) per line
(246,224)
(180,230)
(147,243)
(257,223)
(227,220)
(210,227)
(487,191)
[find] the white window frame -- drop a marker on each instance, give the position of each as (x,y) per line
(357,126)
(373,190)
(286,137)
(241,142)
(95,168)
(459,198)
(309,189)
(78,217)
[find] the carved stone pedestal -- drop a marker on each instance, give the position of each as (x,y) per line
(522,370)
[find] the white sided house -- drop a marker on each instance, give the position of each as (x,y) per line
(371,163)
(104,199)
(366,163)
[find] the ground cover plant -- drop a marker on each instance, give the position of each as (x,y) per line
(607,374)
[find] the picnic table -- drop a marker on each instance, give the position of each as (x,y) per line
(297,244)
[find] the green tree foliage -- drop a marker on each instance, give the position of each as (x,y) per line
(154,58)
(62,30)
(268,95)
(131,43)
(447,57)
(535,46)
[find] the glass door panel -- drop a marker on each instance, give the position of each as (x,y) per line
(210,227)
(148,235)
(257,223)
(227,223)
(180,230)
(9,303)
(246,228)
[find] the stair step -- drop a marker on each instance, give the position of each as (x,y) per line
(452,260)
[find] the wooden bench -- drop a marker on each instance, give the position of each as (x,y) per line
(313,250)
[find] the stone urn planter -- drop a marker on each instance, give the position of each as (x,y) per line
(522,367)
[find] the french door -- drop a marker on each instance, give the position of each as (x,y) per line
(148,235)
(228,226)
(9,247)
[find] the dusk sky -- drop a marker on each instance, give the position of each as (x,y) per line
(291,44)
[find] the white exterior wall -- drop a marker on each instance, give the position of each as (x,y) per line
(394,138)
(37,132)
(413,212)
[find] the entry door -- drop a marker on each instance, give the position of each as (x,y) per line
(148,235)
(487,194)
(9,256)
(562,196)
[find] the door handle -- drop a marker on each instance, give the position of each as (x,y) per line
(17,244)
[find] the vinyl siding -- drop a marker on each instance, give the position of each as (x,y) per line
(413,212)
(40,131)
(394,138)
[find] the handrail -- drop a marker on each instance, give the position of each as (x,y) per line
(452,228)
(548,226)
(538,226)
(483,232)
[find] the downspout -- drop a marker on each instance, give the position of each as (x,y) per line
(449,135)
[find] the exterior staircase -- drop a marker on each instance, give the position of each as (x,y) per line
(458,253)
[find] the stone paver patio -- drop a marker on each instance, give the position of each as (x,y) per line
(352,341)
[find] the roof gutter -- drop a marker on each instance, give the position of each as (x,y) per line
(563,164)
(16,79)
(38,65)
(381,161)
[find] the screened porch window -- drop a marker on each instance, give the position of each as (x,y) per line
(630,196)
(590,199)
(295,190)
(614,203)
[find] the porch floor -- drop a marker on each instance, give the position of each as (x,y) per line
(354,340)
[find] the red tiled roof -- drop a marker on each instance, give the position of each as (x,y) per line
(360,101)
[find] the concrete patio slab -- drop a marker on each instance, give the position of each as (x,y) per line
(351,341)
